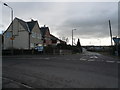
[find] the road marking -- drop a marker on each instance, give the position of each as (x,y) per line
(19,83)
(91,60)
(34,58)
(72,59)
(54,57)
(83,59)
(67,59)
(118,61)
(93,57)
(110,61)
(46,58)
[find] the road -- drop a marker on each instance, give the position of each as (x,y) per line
(87,70)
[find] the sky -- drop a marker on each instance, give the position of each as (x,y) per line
(90,19)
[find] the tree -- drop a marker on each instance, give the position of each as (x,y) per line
(79,45)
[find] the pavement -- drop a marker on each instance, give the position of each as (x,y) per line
(86,70)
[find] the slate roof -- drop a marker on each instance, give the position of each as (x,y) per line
(27,25)
(53,37)
(23,23)
(44,30)
(31,24)
(116,40)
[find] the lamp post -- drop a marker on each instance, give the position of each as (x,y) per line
(12,24)
(72,36)
(110,32)
(11,11)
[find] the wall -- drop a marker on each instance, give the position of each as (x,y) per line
(36,40)
(21,40)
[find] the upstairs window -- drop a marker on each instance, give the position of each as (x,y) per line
(33,35)
(8,34)
(38,36)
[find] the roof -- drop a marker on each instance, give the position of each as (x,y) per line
(53,37)
(23,23)
(31,24)
(27,25)
(116,40)
(44,30)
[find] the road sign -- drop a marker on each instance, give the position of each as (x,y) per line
(40,48)
(12,38)
(116,40)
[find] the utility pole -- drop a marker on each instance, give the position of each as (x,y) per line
(110,32)
(12,38)
(72,36)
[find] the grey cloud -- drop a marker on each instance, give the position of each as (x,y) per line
(90,19)
(92,22)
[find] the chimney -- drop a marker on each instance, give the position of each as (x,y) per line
(32,20)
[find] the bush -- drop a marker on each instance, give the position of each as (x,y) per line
(48,49)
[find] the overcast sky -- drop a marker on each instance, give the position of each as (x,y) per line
(90,19)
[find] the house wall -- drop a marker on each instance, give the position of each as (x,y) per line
(35,37)
(0,44)
(7,42)
(21,40)
(48,40)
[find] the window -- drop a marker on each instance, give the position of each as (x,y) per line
(33,35)
(38,36)
(8,34)
(32,45)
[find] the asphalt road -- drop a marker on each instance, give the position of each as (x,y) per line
(87,70)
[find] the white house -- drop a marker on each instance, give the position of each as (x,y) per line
(22,35)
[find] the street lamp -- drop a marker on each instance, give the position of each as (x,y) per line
(11,22)
(72,36)
(11,11)
(110,32)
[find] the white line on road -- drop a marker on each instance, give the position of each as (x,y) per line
(110,61)
(67,59)
(34,58)
(54,57)
(91,60)
(118,61)
(83,59)
(19,83)
(47,58)
(93,57)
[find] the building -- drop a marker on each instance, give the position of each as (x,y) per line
(56,41)
(22,35)
(46,37)
(117,45)
(0,43)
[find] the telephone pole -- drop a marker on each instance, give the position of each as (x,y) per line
(72,36)
(12,38)
(110,32)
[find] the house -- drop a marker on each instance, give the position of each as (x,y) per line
(22,35)
(0,43)
(46,37)
(116,40)
(117,45)
(56,41)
